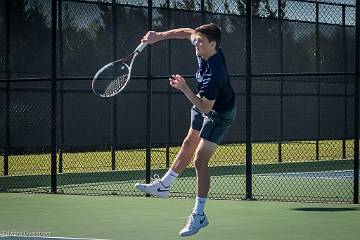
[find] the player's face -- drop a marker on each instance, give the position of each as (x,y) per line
(203,46)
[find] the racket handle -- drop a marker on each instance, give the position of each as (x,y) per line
(140,47)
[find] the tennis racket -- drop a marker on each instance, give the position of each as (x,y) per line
(113,77)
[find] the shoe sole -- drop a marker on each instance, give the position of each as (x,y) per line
(194,232)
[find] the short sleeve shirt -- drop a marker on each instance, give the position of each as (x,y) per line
(213,81)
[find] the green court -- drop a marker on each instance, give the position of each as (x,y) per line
(111,217)
(288,168)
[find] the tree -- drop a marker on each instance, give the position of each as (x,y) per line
(226,6)
(209,5)
(269,12)
(30,38)
(241,7)
(189,5)
(259,8)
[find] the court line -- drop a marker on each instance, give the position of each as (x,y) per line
(338,174)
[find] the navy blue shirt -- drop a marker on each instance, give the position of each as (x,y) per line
(213,82)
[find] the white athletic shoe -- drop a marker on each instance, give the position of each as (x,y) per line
(194,224)
(155,188)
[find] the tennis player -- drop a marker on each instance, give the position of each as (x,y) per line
(212,113)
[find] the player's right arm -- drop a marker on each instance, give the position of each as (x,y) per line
(177,33)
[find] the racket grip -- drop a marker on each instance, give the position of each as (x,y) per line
(140,47)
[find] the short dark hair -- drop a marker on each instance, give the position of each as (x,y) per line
(211,31)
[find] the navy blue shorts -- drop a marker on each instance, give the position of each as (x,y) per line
(214,125)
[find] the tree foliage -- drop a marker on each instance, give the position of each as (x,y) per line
(86,44)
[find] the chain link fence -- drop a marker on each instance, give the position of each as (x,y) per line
(303,96)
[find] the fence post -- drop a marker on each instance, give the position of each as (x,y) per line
(7,87)
(317,54)
(114,100)
(148,99)
(248,99)
(356,105)
(169,90)
(61,102)
(345,70)
(202,10)
(53,94)
(280,20)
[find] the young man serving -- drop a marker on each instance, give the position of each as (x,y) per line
(212,114)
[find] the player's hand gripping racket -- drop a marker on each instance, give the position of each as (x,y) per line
(113,77)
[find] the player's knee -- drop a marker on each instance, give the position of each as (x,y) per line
(187,144)
(200,164)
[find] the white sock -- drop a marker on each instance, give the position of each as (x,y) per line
(169,177)
(199,205)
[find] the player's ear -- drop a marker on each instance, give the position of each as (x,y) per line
(213,44)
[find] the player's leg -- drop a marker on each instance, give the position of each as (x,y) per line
(183,158)
(161,187)
(212,132)
(203,154)
(198,219)
(188,148)
(187,151)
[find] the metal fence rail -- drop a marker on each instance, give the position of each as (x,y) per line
(294,66)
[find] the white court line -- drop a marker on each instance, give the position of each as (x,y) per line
(337,174)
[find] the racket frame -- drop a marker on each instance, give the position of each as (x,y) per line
(133,55)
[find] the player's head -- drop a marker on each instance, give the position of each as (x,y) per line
(206,40)
(212,32)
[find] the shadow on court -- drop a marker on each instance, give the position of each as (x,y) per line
(326,209)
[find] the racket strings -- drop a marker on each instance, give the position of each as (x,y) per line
(115,86)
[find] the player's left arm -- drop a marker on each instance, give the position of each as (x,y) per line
(202,103)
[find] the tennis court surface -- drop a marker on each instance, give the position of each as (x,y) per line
(47,216)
